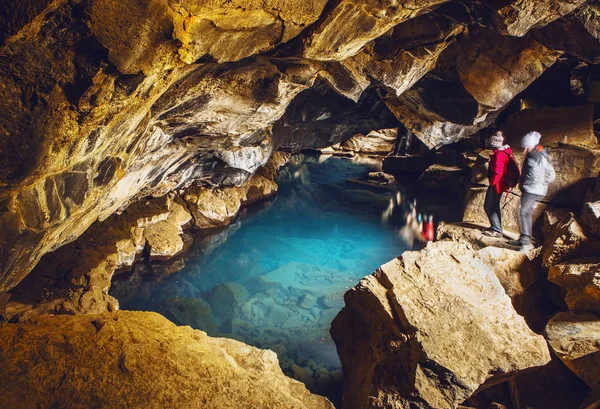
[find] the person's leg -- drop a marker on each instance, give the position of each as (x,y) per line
(528,201)
(492,209)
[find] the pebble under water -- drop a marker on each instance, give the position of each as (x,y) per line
(276,277)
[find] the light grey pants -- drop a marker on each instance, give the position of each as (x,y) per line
(528,201)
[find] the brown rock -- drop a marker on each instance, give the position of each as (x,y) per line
(375,142)
(590,216)
(566,125)
(515,270)
(391,335)
(440,177)
(574,339)
(565,242)
(352,24)
(164,238)
(105,360)
(581,280)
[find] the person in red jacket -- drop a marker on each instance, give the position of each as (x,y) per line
(497,167)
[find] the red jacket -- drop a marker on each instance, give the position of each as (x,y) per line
(498,161)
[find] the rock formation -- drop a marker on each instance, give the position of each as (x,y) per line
(392,334)
(138,359)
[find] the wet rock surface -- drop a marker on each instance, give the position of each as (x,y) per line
(105,360)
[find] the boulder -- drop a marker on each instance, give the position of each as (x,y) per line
(392,334)
(565,125)
(225,299)
(515,270)
(566,241)
(574,339)
(581,281)
(590,216)
(164,238)
(191,311)
(551,218)
(135,359)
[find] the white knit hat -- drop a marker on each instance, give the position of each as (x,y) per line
(531,140)
(496,140)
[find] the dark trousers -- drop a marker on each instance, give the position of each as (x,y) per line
(528,201)
(492,208)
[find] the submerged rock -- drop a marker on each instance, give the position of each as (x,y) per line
(138,359)
(393,334)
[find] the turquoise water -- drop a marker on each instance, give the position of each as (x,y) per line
(276,277)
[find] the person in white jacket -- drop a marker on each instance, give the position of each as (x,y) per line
(536,175)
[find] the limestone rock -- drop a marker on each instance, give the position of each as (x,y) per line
(105,361)
(574,339)
(568,125)
(581,280)
(375,142)
(514,269)
(391,335)
(352,24)
(566,241)
(235,30)
(164,238)
(590,216)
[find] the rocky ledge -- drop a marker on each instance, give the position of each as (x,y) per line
(138,359)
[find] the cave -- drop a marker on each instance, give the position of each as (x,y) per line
(286,204)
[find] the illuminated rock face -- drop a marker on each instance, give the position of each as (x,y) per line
(106,102)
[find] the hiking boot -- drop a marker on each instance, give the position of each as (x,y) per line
(493,233)
(516,243)
(525,248)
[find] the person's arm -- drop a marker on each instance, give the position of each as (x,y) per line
(550,173)
(498,167)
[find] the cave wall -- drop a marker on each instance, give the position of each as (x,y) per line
(105,102)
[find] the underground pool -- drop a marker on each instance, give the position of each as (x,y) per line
(275,278)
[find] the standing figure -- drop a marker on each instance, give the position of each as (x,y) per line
(501,169)
(538,173)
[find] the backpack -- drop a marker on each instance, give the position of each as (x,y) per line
(512,173)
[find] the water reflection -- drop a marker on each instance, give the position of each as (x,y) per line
(276,277)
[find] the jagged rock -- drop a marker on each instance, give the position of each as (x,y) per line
(375,142)
(391,335)
(567,125)
(551,218)
(334,119)
(515,270)
(473,81)
(403,56)
(442,177)
(381,178)
(164,238)
(352,24)
(566,241)
(105,360)
(574,339)
(235,30)
(590,216)
(581,280)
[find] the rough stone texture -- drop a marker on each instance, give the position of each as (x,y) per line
(375,142)
(581,281)
(476,77)
(566,241)
(590,216)
(354,23)
(232,30)
(515,270)
(106,361)
(574,339)
(391,335)
(398,59)
(164,238)
(568,125)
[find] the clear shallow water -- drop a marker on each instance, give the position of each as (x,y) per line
(276,277)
